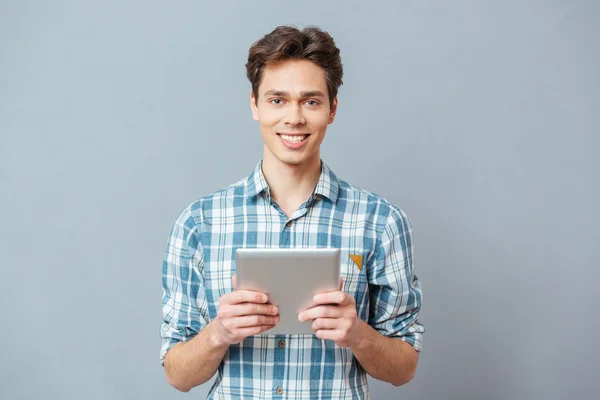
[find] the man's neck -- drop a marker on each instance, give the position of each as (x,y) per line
(291,185)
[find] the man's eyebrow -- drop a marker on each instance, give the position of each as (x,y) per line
(312,93)
(305,94)
(275,92)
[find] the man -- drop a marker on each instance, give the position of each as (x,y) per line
(291,199)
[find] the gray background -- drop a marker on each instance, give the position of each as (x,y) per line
(480,119)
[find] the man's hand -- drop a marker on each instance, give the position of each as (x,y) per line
(243,313)
(334,317)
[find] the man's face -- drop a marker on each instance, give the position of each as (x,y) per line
(293,110)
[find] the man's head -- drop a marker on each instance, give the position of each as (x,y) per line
(295,75)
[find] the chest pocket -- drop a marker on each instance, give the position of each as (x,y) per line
(354,273)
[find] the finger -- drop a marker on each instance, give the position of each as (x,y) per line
(241,309)
(341,283)
(325,323)
(320,312)
(338,297)
(244,296)
(329,334)
(253,320)
(254,330)
(234,281)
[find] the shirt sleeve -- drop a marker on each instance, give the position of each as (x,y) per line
(184,306)
(395,292)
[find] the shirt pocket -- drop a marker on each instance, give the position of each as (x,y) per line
(353,272)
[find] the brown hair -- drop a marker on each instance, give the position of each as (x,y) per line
(290,43)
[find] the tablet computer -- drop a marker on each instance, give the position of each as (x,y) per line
(290,277)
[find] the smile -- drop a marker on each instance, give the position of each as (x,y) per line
(293,138)
(293,142)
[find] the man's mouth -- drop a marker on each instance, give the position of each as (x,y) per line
(295,138)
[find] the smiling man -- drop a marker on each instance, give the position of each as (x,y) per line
(291,199)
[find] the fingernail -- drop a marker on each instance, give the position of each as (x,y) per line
(264,297)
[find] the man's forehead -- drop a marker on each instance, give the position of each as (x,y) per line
(293,76)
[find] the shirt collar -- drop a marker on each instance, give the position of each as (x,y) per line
(328,185)
(256,183)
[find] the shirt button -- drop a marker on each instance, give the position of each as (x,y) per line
(289,224)
(281,344)
(279,390)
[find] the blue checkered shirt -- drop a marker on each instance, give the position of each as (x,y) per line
(200,261)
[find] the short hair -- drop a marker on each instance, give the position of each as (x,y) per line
(290,43)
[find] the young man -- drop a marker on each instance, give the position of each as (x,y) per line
(291,199)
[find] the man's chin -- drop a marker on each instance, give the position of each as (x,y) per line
(290,158)
(293,160)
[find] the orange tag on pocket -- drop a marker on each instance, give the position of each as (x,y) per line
(357,260)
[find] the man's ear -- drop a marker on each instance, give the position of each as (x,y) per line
(253,106)
(333,110)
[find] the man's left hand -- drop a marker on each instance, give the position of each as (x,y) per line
(334,317)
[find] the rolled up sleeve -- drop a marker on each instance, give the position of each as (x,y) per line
(184,304)
(395,291)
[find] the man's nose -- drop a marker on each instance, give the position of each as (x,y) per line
(294,116)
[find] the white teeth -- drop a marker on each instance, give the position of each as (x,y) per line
(293,139)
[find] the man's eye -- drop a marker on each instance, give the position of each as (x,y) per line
(312,102)
(276,102)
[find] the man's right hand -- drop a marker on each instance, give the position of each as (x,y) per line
(244,313)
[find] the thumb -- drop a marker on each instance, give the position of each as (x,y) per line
(234,281)
(341,283)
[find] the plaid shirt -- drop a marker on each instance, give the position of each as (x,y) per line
(200,261)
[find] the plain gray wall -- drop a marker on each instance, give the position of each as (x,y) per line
(480,119)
